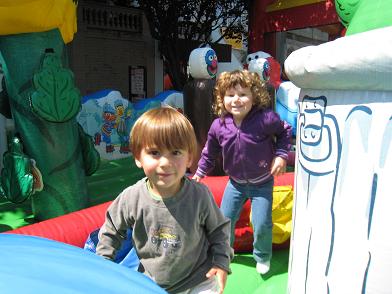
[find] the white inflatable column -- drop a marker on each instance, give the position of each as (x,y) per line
(341,240)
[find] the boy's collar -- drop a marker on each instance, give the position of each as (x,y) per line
(158,197)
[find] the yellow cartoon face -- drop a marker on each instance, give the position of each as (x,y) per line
(312,119)
(120,110)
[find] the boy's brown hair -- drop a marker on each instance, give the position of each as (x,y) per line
(245,79)
(163,128)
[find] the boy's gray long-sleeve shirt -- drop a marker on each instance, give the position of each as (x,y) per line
(178,239)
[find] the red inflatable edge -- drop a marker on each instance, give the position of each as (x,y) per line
(74,228)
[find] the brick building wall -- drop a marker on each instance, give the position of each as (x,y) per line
(109,40)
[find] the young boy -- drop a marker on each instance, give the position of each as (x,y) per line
(179,233)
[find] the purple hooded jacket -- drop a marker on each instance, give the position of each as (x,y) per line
(247,151)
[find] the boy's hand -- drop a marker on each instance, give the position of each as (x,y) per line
(221,276)
(196,178)
(278,166)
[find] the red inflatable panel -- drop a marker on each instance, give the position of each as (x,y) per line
(74,228)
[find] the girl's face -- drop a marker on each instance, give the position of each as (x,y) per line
(238,101)
(164,169)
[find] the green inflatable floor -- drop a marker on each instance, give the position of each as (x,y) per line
(111,178)
(245,280)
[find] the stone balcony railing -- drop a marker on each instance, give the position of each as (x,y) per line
(111,18)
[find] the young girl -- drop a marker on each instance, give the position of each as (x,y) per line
(254,143)
(179,233)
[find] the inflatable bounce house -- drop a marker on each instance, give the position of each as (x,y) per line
(58,141)
(341,241)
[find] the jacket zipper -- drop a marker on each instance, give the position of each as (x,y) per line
(241,154)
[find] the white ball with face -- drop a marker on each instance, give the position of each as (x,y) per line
(260,66)
(256,55)
(203,63)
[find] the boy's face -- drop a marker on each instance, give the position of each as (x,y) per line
(238,101)
(164,169)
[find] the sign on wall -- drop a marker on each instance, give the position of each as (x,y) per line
(137,83)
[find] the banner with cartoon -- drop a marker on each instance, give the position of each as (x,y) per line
(108,118)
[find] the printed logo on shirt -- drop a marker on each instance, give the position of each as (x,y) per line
(263,163)
(165,237)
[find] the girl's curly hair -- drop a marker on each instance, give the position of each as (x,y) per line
(245,79)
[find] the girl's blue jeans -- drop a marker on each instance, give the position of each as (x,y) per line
(233,200)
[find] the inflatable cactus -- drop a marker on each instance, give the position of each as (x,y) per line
(50,155)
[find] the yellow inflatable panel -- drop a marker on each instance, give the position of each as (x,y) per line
(282,206)
(281,213)
(28,16)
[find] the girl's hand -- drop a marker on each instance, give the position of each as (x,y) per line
(220,274)
(196,178)
(278,166)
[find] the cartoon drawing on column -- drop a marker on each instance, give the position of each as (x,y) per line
(319,148)
(380,240)
(352,205)
(356,190)
(352,180)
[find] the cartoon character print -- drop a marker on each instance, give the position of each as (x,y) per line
(121,125)
(211,62)
(109,123)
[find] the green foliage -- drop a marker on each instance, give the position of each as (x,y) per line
(17,182)
(55,99)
